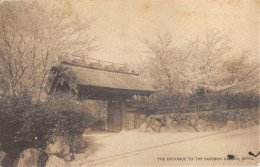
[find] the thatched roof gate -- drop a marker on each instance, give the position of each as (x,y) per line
(100,84)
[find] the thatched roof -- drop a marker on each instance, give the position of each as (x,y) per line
(84,76)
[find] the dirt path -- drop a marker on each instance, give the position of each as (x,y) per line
(135,148)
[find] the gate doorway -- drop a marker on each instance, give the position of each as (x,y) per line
(114,120)
(131,120)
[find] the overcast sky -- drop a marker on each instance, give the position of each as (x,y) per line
(121,24)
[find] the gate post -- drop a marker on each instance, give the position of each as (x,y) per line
(123,114)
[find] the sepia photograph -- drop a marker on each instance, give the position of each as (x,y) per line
(90,83)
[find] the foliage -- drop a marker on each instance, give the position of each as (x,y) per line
(204,62)
(227,101)
(25,124)
(203,100)
(97,108)
(33,35)
(164,98)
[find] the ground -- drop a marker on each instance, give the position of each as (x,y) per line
(134,148)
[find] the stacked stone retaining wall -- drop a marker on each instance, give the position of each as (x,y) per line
(199,121)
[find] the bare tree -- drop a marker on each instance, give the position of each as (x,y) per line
(202,58)
(203,62)
(158,64)
(240,75)
(33,34)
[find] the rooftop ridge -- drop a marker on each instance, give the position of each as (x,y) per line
(104,61)
(132,72)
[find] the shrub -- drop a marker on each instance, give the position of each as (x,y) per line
(213,100)
(98,125)
(25,124)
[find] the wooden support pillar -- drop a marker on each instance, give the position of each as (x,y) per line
(109,116)
(123,114)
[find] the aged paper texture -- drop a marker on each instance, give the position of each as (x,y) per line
(129,83)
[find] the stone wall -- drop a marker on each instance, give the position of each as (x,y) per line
(199,121)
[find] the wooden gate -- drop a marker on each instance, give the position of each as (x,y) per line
(131,123)
(113,117)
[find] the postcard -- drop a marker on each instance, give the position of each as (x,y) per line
(129,83)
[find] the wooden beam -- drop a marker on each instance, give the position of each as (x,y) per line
(123,114)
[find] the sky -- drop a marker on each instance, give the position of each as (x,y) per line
(121,25)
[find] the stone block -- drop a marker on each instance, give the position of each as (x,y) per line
(232,125)
(58,147)
(54,161)
(143,127)
(149,129)
(163,130)
(28,158)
